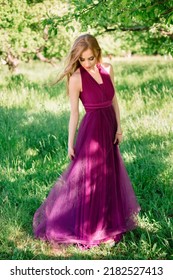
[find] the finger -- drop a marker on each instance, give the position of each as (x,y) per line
(72,156)
(115,141)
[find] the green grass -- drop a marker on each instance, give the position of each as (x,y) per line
(33,153)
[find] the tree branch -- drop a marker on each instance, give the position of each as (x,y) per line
(130,28)
(167,33)
(138,28)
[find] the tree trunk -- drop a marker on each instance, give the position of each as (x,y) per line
(43,58)
(12,63)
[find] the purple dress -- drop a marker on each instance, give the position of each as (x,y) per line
(93,200)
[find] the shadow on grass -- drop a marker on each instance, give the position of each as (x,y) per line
(32,148)
(150,170)
(14,253)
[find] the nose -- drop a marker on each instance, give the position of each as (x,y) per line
(87,63)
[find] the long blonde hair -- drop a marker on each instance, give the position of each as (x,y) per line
(82,43)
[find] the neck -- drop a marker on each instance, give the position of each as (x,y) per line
(94,69)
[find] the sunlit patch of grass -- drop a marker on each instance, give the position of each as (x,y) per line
(149,226)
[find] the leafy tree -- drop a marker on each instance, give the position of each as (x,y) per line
(143,20)
(44,29)
(24,37)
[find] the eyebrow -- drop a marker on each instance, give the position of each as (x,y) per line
(88,57)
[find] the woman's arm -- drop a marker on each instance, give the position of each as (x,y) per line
(118,136)
(74,91)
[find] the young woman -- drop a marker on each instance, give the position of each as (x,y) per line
(93,201)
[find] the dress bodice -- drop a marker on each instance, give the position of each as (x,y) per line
(93,94)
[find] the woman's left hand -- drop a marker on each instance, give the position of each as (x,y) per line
(118,138)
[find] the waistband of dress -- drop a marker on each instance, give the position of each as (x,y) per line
(93,107)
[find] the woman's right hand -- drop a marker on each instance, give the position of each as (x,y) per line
(71,153)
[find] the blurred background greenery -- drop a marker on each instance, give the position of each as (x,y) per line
(45,29)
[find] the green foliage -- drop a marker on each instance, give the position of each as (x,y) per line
(23,33)
(151,22)
(33,148)
(49,26)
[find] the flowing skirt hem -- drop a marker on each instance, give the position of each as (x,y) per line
(116,236)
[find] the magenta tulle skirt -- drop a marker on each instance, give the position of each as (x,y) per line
(93,200)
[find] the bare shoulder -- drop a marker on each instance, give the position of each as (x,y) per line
(75,81)
(108,67)
(75,77)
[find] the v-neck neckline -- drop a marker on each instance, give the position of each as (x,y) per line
(98,67)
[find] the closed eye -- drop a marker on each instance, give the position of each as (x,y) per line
(83,59)
(91,58)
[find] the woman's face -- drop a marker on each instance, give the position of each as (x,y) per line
(87,59)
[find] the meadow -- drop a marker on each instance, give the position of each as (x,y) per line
(33,153)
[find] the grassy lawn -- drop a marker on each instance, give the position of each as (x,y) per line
(33,153)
